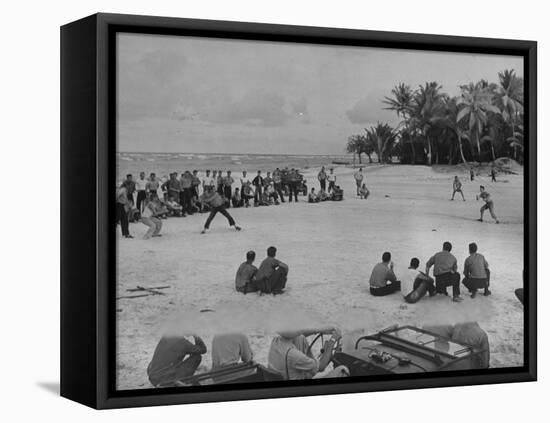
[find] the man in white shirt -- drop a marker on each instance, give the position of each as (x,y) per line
(229,349)
(141,193)
(415,284)
(331,180)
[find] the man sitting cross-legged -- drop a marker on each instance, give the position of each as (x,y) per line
(312,197)
(245,280)
(382,279)
(272,274)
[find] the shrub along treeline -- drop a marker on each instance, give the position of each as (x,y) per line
(483,123)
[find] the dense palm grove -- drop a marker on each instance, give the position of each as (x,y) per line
(481,124)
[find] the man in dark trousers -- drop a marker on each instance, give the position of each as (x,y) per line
(122,207)
(476,272)
(272,274)
(187,190)
(130,186)
(322,177)
(445,271)
(175,358)
(278,183)
(173,187)
(217,204)
(293,180)
(382,279)
(141,188)
(258,183)
(227,184)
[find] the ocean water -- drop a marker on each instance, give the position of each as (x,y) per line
(165,163)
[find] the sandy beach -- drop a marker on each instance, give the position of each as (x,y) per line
(331,248)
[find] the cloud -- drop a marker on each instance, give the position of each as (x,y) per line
(367,110)
(253,108)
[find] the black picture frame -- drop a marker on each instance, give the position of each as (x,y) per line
(87,235)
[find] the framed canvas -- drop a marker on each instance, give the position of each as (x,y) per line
(257,211)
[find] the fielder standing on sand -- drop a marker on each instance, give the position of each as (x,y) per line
(358,179)
(457,187)
(489,205)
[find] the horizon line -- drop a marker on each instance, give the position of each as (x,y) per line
(229,154)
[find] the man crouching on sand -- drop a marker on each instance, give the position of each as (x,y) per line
(175,358)
(445,271)
(476,272)
(271,276)
(290,355)
(216,204)
(382,279)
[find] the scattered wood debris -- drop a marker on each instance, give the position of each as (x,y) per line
(148,291)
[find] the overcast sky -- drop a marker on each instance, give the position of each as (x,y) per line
(185,94)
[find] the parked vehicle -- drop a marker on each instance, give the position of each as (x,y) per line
(407,349)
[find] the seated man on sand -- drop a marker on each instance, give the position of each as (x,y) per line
(476,272)
(229,349)
(323,196)
(312,197)
(415,284)
(175,358)
(236,199)
(337,193)
(245,280)
(289,356)
(364,192)
(272,196)
(272,274)
(174,209)
(247,194)
(382,279)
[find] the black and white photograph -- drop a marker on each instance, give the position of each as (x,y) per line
(292,211)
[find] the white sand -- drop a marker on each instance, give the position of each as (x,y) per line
(331,249)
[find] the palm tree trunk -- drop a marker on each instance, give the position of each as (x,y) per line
(493,152)
(429,158)
(413,153)
(460,148)
(451,153)
(478,148)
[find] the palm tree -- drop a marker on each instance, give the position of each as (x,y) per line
(359,144)
(510,100)
(402,104)
(402,100)
(382,137)
(427,111)
(475,103)
(451,124)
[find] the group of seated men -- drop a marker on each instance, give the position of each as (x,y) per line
(415,283)
(269,278)
(176,358)
(335,194)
